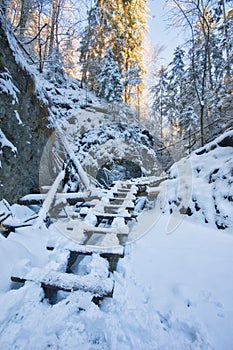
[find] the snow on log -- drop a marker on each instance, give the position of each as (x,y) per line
(76,163)
(71,197)
(69,282)
(49,199)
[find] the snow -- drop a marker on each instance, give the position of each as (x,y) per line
(4,142)
(18,118)
(187,279)
(157,301)
(48,200)
(173,287)
(7,86)
(202,183)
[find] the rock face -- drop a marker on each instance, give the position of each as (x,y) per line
(122,169)
(23,122)
(118,150)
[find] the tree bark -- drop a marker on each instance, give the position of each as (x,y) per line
(25,7)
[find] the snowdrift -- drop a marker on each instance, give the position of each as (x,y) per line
(201,185)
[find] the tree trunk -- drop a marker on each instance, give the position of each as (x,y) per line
(228,70)
(52,31)
(25,7)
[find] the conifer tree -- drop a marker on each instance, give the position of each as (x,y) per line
(160,94)
(109,80)
(120,25)
(175,87)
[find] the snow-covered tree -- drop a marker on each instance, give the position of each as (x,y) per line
(160,98)
(120,25)
(109,80)
(132,79)
(91,46)
(175,87)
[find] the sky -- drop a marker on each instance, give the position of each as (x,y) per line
(159,31)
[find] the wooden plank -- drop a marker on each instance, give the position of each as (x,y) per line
(88,249)
(105,230)
(76,226)
(70,282)
(102,215)
(125,190)
(71,198)
(114,209)
(123,196)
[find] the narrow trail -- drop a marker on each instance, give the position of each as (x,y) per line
(88,228)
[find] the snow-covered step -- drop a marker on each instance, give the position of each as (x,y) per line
(101,215)
(125,190)
(114,209)
(148,181)
(78,227)
(86,249)
(127,216)
(102,249)
(123,195)
(68,282)
(118,201)
(72,229)
(152,191)
(124,230)
(80,230)
(72,198)
(104,241)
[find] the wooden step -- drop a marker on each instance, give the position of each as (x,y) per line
(105,230)
(69,282)
(88,249)
(72,198)
(152,192)
(74,226)
(112,216)
(104,241)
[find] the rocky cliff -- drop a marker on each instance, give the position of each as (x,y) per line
(23,122)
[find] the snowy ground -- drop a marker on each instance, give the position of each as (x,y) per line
(172,291)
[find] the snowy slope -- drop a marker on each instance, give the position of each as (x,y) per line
(201,185)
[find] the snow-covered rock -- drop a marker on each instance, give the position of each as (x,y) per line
(201,185)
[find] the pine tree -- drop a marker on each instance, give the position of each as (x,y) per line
(109,80)
(132,16)
(160,95)
(96,37)
(121,26)
(176,100)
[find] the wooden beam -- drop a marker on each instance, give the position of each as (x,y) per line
(69,283)
(71,198)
